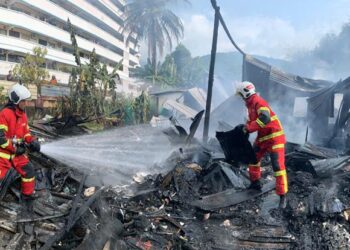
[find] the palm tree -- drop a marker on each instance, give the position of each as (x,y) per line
(154,22)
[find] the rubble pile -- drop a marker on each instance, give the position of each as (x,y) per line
(202,203)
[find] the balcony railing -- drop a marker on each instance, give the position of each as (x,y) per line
(27,22)
(61,77)
(62,14)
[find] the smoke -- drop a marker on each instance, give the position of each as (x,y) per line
(294,127)
(115,156)
(329,60)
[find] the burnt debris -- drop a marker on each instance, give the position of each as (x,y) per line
(201,203)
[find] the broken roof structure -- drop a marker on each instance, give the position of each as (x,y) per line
(268,77)
(181,103)
(272,83)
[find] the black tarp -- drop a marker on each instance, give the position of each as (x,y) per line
(236,146)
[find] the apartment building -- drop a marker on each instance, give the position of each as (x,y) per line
(25,24)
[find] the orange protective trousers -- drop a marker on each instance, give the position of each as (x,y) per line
(278,165)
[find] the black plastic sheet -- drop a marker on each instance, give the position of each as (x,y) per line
(236,146)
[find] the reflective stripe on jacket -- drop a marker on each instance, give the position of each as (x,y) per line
(263,120)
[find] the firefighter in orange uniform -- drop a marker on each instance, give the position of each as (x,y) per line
(270,139)
(15,137)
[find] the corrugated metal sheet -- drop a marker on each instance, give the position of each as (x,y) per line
(277,76)
(257,62)
(295,82)
(180,108)
(55,91)
(199,95)
(166,92)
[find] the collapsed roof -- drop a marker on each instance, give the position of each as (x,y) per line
(265,76)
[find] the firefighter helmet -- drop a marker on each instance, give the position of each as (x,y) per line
(245,89)
(18,93)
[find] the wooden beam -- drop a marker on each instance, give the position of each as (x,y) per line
(211,71)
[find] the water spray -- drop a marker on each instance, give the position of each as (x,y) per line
(114,155)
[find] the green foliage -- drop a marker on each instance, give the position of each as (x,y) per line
(3,97)
(31,69)
(141,108)
(153,22)
(93,92)
(131,111)
(92,87)
(182,57)
(330,58)
(179,69)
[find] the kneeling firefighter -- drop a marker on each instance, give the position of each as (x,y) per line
(15,138)
(270,139)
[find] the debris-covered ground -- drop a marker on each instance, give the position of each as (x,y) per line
(202,203)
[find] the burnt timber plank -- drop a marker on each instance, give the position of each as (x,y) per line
(82,209)
(230,197)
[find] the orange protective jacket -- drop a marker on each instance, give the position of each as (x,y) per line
(14,123)
(263,120)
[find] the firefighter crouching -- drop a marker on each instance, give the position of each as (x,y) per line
(270,139)
(15,137)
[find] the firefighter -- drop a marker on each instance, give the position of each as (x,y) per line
(270,139)
(15,138)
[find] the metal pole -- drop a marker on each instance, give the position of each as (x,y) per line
(211,72)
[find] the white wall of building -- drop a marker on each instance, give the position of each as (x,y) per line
(37,28)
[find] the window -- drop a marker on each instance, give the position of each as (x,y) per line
(52,45)
(14,58)
(132,64)
(42,42)
(3,31)
(300,107)
(132,52)
(338,98)
(26,37)
(14,33)
(3,54)
(68,50)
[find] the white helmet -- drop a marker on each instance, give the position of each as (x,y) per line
(18,92)
(245,89)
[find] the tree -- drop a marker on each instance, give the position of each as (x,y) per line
(153,22)
(90,83)
(141,108)
(182,58)
(179,69)
(3,97)
(165,78)
(31,69)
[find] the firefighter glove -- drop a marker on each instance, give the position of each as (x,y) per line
(243,128)
(34,146)
(20,149)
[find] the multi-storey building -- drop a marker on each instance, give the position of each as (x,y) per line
(25,24)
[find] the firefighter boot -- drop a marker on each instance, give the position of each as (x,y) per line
(283,202)
(27,202)
(255,185)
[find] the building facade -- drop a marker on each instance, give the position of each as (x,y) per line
(25,24)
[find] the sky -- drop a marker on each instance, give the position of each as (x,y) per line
(274,28)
